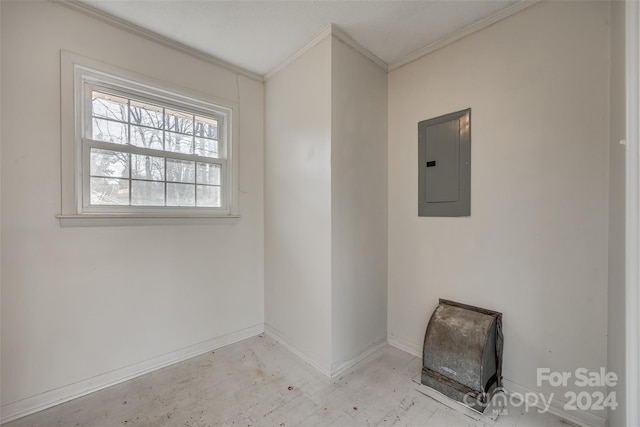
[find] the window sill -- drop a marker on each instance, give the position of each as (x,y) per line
(117,220)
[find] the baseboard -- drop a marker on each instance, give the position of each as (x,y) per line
(14,410)
(405,345)
(287,343)
(330,370)
(580,418)
(344,365)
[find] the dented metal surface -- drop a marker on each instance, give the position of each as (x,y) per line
(462,353)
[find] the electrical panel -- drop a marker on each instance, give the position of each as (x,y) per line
(444,165)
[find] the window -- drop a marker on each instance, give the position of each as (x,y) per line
(144,150)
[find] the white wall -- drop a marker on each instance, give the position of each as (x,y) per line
(617,131)
(298,205)
(79,303)
(358,204)
(325,204)
(535,245)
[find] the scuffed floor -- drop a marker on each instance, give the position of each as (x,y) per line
(257,382)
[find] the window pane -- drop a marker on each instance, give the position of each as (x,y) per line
(146,114)
(207,147)
(147,193)
(208,174)
(147,167)
(145,137)
(177,121)
(179,143)
(150,148)
(181,194)
(209,196)
(109,106)
(206,128)
(109,163)
(109,191)
(108,131)
(181,170)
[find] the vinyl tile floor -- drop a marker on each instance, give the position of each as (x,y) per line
(258,382)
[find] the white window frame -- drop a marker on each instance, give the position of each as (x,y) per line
(79,76)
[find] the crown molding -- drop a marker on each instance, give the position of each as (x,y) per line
(468,30)
(346,38)
(155,37)
(328,31)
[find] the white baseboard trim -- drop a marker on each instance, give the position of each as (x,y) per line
(18,409)
(323,367)
(332,370)
(344,365)
(580,418)
(405,345)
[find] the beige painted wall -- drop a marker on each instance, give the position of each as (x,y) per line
(617,132)
(81,302)
(535,245)
(298,205)
(358,204)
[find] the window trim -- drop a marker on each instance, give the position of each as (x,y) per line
(77,71)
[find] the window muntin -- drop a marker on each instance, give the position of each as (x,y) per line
(145,153)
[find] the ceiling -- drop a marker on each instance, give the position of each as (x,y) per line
(259,35)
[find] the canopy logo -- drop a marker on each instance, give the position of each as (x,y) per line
(502,400)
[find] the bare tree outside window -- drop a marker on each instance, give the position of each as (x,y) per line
(153,179)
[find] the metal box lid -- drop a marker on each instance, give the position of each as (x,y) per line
(462,351)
